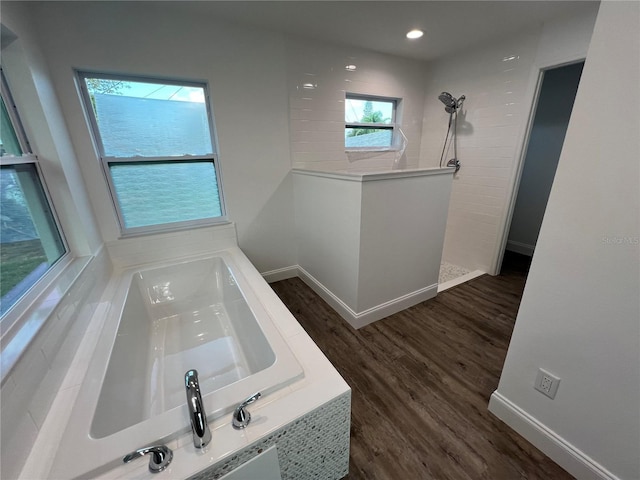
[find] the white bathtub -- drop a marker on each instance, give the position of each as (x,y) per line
(200,313)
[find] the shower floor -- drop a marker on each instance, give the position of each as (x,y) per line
(452,275)
(449,271)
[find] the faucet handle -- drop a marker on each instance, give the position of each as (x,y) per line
(241,416)
(160,458)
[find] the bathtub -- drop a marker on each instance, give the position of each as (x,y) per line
(198,313)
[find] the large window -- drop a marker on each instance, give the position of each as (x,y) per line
(30,241)
(370,122)
(156,144)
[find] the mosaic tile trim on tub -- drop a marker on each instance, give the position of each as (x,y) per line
(313,447)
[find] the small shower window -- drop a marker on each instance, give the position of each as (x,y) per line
(370,122)
(156,144)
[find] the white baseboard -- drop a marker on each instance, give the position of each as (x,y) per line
(327,295)
(519,247)
(280,274)
(360,319)
(573,460)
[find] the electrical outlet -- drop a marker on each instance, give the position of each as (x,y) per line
(547,383)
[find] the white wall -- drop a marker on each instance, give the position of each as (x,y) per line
(255,77)
(580,315)
(317,115)
(245,69)
(499,83)
(402,232)
(370,244)
(553,110)
(327,213)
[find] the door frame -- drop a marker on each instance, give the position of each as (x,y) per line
(535,86)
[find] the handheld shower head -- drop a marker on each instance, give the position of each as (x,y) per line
(451,104)
(448,100)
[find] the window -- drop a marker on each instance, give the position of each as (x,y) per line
(30,240)
(370,122)
(155,141)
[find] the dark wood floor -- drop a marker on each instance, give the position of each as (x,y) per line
(421,382)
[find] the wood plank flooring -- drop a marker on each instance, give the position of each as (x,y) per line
(421,382)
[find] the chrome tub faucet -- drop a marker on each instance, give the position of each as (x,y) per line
(197,415)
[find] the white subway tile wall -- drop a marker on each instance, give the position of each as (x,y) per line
(318,82)
(166,246)
(498,81)
(494,81)
(30,388)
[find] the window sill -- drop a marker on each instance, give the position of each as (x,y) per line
(23,322)
(372,149)
(172,228)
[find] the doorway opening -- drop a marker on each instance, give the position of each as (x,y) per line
(555,100)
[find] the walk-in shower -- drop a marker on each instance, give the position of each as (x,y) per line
(451,106)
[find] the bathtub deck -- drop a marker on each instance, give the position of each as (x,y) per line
(183,302)
(422,379)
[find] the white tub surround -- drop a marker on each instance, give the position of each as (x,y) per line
(280,360)
(161,247)
(370,244)
(34,373)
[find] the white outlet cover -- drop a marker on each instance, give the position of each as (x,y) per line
(547,383)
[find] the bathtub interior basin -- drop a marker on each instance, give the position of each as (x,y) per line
(174,320)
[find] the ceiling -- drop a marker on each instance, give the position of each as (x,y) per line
(449,26)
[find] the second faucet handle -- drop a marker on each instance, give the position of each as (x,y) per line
(241,416)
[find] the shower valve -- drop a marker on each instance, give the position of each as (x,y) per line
(454,162)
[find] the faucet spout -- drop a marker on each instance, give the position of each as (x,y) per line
(197,415)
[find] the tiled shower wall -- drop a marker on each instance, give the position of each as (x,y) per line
(498,81)
(31,386)
(495,82)
(317,113)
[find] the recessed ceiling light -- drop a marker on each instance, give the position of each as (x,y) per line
(413,34)
(350,68)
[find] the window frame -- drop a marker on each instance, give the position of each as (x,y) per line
(15,311)
(14,117)
(106,161)
(393,126)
